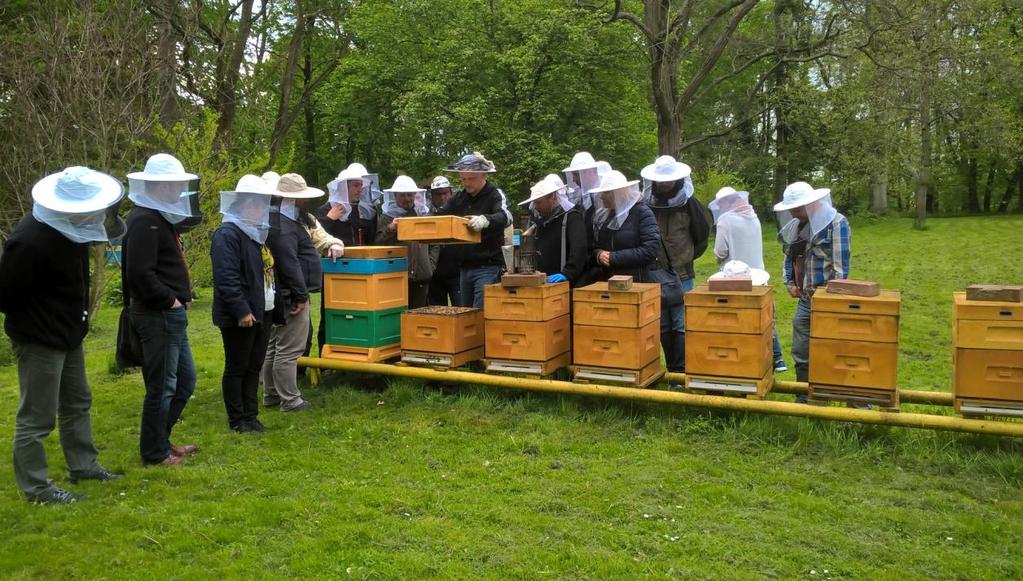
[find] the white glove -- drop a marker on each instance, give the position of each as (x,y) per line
(478,223)
(335,251)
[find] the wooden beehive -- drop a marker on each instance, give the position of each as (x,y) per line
(360,292)
(436,230)
(374,252)
(447,330)
(987,357)
(728,339)
(527,340)
(854,347)
(598,306)
(363,328)
(616,333)
(528,303)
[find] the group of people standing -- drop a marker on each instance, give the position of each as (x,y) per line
(590,223)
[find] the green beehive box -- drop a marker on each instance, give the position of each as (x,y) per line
(363,328)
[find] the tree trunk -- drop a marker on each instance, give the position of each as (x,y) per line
(287,84)
(312,167)
(988,185)
(227,85)
(879,191)
(923,184)
(972,201)
(1014,178)
(781,126)
(167,59)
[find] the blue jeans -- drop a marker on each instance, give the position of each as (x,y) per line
(471,281)
(673,333)
(169,374)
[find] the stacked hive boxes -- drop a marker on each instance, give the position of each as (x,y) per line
(987,356)
(854,347)
(527,328)
(442,336)
(616,334)
(364,294)
(728,340)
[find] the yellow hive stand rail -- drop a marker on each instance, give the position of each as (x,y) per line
(839,414)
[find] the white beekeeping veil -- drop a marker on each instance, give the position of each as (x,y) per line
(371,194)
(729,200)
(818,206)
(80,203)
(581,176)
(338,192)
(666,169)
(404,185)
(623,194)
(164,186)
(248,207)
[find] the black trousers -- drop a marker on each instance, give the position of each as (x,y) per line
(244,350)
(444,289)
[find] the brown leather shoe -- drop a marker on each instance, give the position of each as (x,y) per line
(184,449)
(170,460)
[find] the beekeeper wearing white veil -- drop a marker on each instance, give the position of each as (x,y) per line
(372,195)
(158,288)
(164,185)
(815,238)
(739,236)
(240,297)
(580,177)
(405,199)
(345,216)
(44,293)
(740,239)
(559,229)
(626,239)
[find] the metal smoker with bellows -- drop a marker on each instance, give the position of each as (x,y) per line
(528,327)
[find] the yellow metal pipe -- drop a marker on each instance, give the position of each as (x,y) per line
(801,388)
(842,414)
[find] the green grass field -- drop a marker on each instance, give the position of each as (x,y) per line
(387,479)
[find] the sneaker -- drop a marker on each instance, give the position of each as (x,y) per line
(779,366)
(676,387)
(54,495)
(101,474)
(300,407)
(256,426)
(242,427)
(271,403)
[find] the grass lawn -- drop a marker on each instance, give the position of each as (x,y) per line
(385,479)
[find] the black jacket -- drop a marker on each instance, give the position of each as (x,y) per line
(487,202)
(44,286)
(634,246)
(237,276)
(153,269)
(548,243)
(355,231)
(296,262)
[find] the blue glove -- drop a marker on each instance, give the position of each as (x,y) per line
(556,278)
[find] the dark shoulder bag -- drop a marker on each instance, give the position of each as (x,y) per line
(128,352)
(671,284)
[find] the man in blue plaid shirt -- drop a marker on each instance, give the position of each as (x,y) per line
(816,245)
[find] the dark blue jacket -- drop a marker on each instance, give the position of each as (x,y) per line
(44,286)
(634,246)
(237,276)
(296,262)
